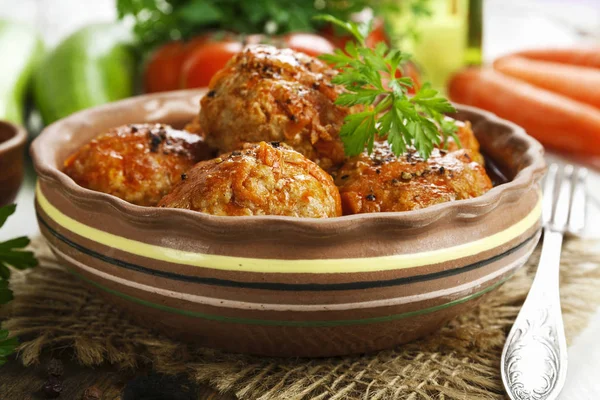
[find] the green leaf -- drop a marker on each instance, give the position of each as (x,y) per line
(6,212)
(4,271)
(357,131)
(7,346)
(200,12)
(6,294)
(17,243)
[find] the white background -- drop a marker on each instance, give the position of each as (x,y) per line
(508,26)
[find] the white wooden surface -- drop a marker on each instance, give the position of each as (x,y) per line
(509,26)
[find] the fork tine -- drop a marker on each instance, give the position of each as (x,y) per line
(561,212)
(549,189)
(579,203)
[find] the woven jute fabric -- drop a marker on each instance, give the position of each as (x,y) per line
(53,310)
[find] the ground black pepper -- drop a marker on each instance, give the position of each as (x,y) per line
(211,94)
(371,197)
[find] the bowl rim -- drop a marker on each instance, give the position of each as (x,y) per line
(142,215)
(18,138)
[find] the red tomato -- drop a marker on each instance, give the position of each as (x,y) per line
(411,70)
(205,61)
(308,43)
(163,67)
(377,35)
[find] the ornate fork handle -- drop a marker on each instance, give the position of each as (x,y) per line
(535,355)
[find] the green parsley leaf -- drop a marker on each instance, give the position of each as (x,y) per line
(7,346)
(11,254)
(416,121)
(6,294)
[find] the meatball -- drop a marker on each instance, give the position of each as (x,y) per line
(137,163)
(467,141)
(383,182)
(261,179)
(270,94)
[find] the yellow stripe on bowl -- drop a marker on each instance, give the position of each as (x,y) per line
(339,265)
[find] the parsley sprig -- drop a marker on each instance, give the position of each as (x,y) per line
(405,121)
(12,254)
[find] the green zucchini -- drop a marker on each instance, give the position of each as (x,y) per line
(20,47)
(93,66)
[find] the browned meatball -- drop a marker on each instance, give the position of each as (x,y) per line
(260,179)
(383,182)
(271,94)
(137,163)
(467,141)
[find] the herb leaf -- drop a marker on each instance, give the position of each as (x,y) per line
(416,121)
(11,254)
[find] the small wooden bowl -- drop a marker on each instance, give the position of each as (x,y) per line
(286,286)
(12,149)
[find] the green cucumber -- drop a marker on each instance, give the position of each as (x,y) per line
(93,66)
(20,48)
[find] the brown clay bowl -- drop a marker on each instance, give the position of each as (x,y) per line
(286,286)
(12,150)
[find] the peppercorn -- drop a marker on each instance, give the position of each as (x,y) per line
(442,170)
(52,388)
(406,175)
(183,177)
(92,393)
(371,197)
(55,368)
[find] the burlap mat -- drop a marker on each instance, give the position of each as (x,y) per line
(53,310)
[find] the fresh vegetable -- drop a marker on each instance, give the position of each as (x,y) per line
(389,113)
(163,69)
(11,254)
(206,61)
(93,66)
(20,46)
(582,56)
(158,21)
(579,83)
(555,120)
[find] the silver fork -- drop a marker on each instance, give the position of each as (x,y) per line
(534,359)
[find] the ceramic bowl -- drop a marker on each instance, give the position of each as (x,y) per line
(12,150)
(285,286)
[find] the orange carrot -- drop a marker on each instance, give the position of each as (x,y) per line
(579,83)
(555,120)
(582,56)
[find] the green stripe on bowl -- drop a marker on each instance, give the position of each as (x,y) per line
(304,324)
